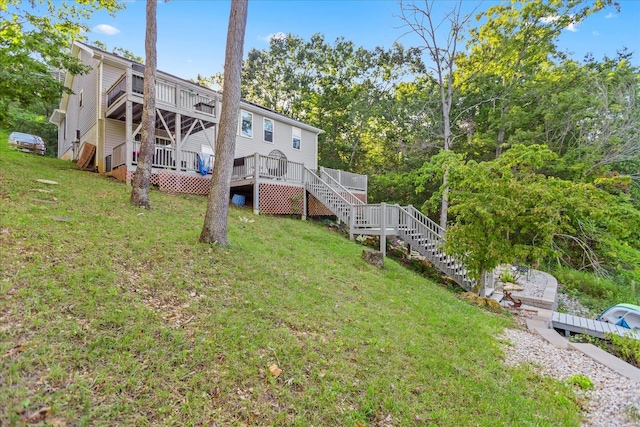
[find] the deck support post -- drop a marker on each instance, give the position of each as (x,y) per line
(304,194)
(256,184)
(177,135)
(352,222)
(383,230)
(128,136)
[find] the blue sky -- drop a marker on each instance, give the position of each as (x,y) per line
(192,33)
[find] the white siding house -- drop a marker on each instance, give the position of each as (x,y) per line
(274,154)
(95,113)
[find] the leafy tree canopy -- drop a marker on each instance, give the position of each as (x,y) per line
(34,41)
(507,210)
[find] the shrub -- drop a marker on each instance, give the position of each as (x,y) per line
(581,381)
(593,291)
(507,277)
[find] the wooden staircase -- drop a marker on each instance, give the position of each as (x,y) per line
(421,233)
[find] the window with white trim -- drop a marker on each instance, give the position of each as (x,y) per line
(296,137)
(268,130)
(246,124)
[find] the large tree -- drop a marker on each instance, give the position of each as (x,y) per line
(508,60)
(441,37)
(214,229)
(142,177)
(35,37)
(345,90)
(509,209)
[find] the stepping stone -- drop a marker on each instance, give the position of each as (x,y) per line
(47,181)
(51,202)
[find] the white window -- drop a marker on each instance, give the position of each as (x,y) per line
(246,124)
(81,98)
(296,136)
(268,130)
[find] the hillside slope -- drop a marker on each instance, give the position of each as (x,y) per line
(114,315)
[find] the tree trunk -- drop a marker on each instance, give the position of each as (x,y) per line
(215,221)
(140,184)
(501,132)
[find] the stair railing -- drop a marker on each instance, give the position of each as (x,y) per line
(346,193)
(424,236)
(328,196)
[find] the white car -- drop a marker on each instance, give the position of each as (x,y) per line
(27,142)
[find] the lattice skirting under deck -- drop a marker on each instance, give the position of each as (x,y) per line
(281,199)
(316,208)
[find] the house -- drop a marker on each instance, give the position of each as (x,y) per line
(275,168)
(101,121)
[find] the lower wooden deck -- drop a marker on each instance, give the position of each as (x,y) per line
(595,328)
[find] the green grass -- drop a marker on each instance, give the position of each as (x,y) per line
(115,315)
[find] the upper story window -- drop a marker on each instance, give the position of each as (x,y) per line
(296,137)
(268,130)
(246,124)
(81,98)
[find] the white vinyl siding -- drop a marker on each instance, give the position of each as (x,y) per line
(110,74)
(114,134)
(282,140)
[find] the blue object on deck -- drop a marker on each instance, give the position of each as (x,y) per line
(204,163)
(237,199)
(623,323)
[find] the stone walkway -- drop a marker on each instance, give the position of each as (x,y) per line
(614,400)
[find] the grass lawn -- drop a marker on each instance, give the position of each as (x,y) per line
(114,315)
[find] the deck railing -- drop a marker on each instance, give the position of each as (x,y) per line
(281,169)
(350,180)
(119,156)
(167,92)
(117,90)
(164,157)
(345,192)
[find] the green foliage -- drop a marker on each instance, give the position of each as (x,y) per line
(508,209)
(34,41)
(34,120)
(347,91)
(581,381)
(507,277)
(623,347)
(626,348)
(593,291)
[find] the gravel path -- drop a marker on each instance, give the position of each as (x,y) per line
(613,401)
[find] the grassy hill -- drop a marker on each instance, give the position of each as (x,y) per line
(114,315)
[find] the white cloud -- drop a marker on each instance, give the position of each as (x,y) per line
(595,33)
(274,36)
(571,27)
(106,29)
(610,15)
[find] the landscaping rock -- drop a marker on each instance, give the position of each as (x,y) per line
(373,258)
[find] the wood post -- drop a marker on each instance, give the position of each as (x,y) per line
(178,138)
(352,222)
(256,184)
(383,230)
(304,194)
(129,132)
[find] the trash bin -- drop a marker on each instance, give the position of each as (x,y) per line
(237,199)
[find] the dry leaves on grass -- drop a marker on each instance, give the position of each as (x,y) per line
(275,371)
